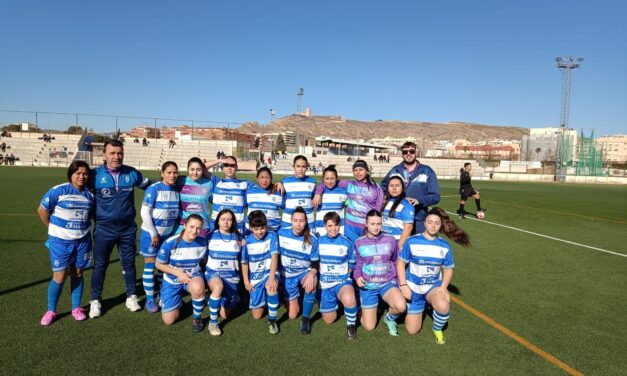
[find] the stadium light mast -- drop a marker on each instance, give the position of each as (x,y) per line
(566,65)
(299,99)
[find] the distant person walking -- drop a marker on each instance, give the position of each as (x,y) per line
(466,190)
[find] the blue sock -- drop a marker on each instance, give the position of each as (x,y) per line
(273,305)
(54,292)
(308,303)
(198,305)
(440,319)
(214,307)
(351,314)
(76,284)
(391,317)
(149,281)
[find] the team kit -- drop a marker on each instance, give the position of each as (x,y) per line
(370,250)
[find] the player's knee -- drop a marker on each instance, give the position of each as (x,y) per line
(399,306)
(257,314)
(329,318)
(367,325)
(169,319)
(441,305)
(413,330)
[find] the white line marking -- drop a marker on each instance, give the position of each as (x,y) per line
(545,236)
(450,196)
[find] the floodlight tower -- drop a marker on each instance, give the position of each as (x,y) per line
(566,65)
(299,99)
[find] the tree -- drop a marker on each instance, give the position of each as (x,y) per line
(280,144)
(74,129)
(538,151)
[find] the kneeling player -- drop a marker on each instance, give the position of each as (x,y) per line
(179,259)
(337,260)
(260,257)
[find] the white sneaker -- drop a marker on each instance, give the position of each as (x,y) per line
(214,330)
(94,309)
(132,303)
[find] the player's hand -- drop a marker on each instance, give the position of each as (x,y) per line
(242,243)
(248,285)
(361,282)
(406,291)
(183,277)
(279,188)
(309,283)
(155,241)
(413,201)
(272,284)
(316,201)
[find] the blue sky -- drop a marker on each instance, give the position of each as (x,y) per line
(485,61)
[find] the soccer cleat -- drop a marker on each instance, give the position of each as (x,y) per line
(391,324)
(351,331)
(273,327)
(439,337)
(79,314)
(305,325)
(197,325)
(94,309)
(48,318)
(214,329)
(461,214)
(152,306)
(132,303)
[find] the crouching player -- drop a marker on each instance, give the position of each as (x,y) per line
(430,260)
(337,260)
(260,257)
(179,259)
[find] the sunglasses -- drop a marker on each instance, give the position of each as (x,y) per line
(409,151)
(229,165)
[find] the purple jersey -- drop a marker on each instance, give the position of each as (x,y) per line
(362,197)
(376,259)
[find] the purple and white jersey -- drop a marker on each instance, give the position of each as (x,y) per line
(376,260)
(195,200)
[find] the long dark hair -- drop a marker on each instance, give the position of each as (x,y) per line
(191,216)
(449,227)
(74,166)
(397,199)
(233,229)
(306,232)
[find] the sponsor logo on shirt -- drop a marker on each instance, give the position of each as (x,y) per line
(106,192)
(103,180)
(422,178)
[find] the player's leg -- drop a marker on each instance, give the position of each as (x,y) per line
(328,304)
(196,288)
(309,298)
(104,241)
(441,314)
(171,301)
(216,286)
(415,309)
(81,261)
(291,286)
(229,300)
(477,198)
(369,301)
(148,276)
(397,305)
(347,297)
(257,300)
(127,248)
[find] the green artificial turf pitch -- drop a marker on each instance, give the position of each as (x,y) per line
(566,299)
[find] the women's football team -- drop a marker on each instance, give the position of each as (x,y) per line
(355,250)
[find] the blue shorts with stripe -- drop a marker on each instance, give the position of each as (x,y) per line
(145,244)
(329,297)
(172,295)
(259,295)
(369,297)
(292,285)
(419,301)
(229,297)
(76,253)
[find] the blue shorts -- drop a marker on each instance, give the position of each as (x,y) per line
(292,285)
(171,296)
(145,244)
(259,295)
(76,253)
(369,298)
(229,292)
(329,297)
(418,301)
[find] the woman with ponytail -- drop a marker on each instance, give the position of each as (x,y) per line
(398,212)
(430,271)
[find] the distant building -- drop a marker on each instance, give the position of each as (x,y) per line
(185,132)
(614,147)
(392,140)
(146,132)
(541,144)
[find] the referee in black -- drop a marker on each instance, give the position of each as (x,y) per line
(466,190)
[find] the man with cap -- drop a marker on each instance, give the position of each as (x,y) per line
(421,184)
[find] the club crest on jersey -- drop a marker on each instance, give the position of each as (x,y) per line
(103,180)
(106,192)
(128,178)
(56,263)
(422,178)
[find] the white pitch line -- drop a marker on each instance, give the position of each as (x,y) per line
(545,236)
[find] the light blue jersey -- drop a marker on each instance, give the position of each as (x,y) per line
(195,200)
(426,259)
(298,192)
(296,255)
(70,212)
(224,257)
(229,194)
(333,200)
(258,198)
(337,256)
(164,200)
(257,253)
(403,214)
(184,255)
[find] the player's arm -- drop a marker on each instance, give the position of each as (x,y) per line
(272,284)
(432,195)
(169,269)
(44,215)
(407,229)
(245,278)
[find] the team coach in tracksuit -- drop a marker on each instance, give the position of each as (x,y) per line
(421,184)
(113,184)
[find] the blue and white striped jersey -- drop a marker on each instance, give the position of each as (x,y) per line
(404,213)
(333,200)
(229,194)
(337,256)
(296,255)
(426,259)
(164,200)
(224,256)
(298,192)
(258,198)
(70,212)
(257,253)
(184,255)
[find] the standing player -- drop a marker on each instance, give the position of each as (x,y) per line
(159,212)
(421,184)
(299,191)
(195,190)
(179,259)
(229,192)
(66,211)
(260,258)
(222,272)
(333,200)
(113,184)
(299,266)
(375,274)
(398,212)
(466,190)
(337,260)
(264,197)
(430,260)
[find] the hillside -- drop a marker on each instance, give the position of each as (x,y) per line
(334,126)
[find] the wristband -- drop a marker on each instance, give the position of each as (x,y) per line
(404,284)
